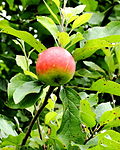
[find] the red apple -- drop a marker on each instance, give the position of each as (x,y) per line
(55,66)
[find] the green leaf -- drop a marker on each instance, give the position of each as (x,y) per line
(110,63)
(101,108)
(25,36)
(105,33)
(106,86)
(26,72)
(12,140)
(11,3)
(22,62)
(52,13)
(86,113)
(75,38)
(110,140)
(91,5)
(16,83)
(117,52)
(57,2)
(50,105)
(6,127)
(70,129)
(25,89)
(50,116)
(93,99)
(93,66)
(70,13)
(63,38)
(88,74)
(81,20)
(96,18)
(90,48)
(111,118)
(49,24)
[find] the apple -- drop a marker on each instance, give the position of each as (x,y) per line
(55,66)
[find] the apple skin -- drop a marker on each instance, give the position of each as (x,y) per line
(55,66)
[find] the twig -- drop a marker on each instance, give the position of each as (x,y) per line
(93,133)
(37,115)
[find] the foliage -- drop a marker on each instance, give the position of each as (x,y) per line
(83,114)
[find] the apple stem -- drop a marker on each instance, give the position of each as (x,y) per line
(37,115)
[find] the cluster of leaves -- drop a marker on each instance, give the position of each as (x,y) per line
(83,114)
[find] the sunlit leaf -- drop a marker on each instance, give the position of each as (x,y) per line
(50,116)
(90,48)
(6,127)
(101,109)
(23,62)
(81,20)
(106,86)
(52,13)
(86,113)
(49,24)
(63,38)
(57,2)
(25,36)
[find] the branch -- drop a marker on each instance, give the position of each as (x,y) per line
(37,115)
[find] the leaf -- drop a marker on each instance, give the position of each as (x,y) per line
(49,24)
(6,127)
(86,114)
(93,66)
(106,86)
(52,13)
(25,89)
(110,140)
(96,18)
(70,13)
(12,140)
(117,51)
(105,33)
(25,36)
(70,129)
(93,99)
(111,118)
(50,105)
(63,38)
(50,116)
(75,38)
(90,48)
(22,62)
(101,109)
(57,2)
(88,74)
(81,20)
(11,3)
(15,83)
(110,63)
(30,74)
(91,5)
